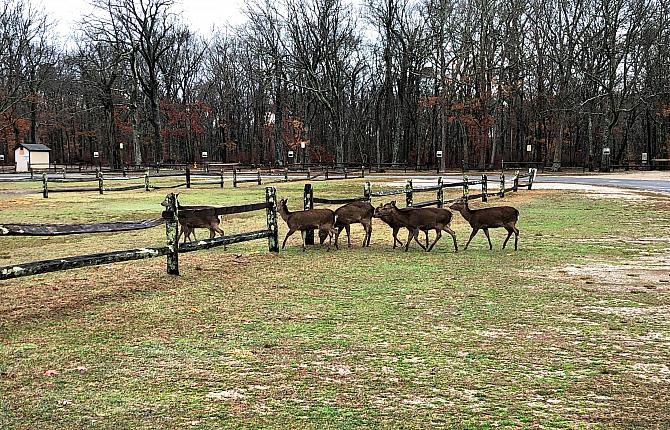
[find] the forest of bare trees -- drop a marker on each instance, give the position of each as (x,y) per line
(370,82)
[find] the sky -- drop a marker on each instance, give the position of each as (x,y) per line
(202,15)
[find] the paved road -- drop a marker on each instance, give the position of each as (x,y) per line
(657,185)
(651,184)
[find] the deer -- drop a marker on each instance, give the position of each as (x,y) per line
(424,219)
(352,213)
(322,219)
(393,223)
(192,221)
(484,219)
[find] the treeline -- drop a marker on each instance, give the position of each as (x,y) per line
(386,81)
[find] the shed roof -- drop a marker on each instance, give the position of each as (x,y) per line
(37,147)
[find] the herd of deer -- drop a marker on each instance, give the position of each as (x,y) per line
(331,223)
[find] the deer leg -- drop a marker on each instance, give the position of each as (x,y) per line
(303,233)
(395,237)
(337,235)
(486,232)
(322,237)
(368,234)
(509,234)
(222,233)
(416,239)
(474,232)
(516,238)
(410,235)
(426,238)
(347,227)
(290,232)
(437,237)
(453,236)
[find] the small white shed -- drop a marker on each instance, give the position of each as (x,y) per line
(31,156)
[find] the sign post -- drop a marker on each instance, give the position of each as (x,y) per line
(438,155)
(605,164)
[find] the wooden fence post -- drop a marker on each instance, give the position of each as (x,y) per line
(308,195)
(485,188)
(258,172)
(531,177)
(221,176)
(363,172)
(172,235)
(64,173)
(367,191)
(271,200)
(502,184)
(309,173)
(286,174)
(326,173)
(346,173)
(440,193)
(515,185)
(234,177)
(188,177)
(409,194)
(101,182)
(466,188)
(146,180)
(45,186)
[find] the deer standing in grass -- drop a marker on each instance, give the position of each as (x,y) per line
(189,223)
(393,223)
(352,213)
(424,219)
(484,219)
(321,219)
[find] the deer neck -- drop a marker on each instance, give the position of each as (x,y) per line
(283,212)
(466,212)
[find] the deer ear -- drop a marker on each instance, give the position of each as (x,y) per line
(393,203)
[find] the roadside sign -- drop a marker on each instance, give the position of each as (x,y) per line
(644,157)
(606,151)
(529,148)
(204,154)
(439,154)
(96,154)
(290,154)
(2,158)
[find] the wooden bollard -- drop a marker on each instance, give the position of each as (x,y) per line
(502,185)
(362,171)
(409,194)
(221,175)
(309,173)
(440,193)
(326,173)
(188,178)
(485,188)
(367,191)
(45,186)
(515,186)
(234,177)
(258,173)
(172,235)
(63,172)
(286,175)
(146,180)
(101,183)
(531,177)
(308,203)
(271,200)
(346,173)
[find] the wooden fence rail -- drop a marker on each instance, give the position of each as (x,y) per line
(172,250)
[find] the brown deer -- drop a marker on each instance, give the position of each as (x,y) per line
(321,219)
(499,216)
(424,219)
(190,222)
(393,223)
(352,213)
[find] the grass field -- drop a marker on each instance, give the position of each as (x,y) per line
(571,331)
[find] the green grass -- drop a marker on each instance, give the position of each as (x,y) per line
(355,338)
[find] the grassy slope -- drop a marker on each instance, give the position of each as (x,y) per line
(351,338)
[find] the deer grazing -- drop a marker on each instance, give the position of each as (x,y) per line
(352,213)
(415,219)
(321,219)
(484,219)
(190,222)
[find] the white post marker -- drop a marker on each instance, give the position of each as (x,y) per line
(204,154)
(439,154)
